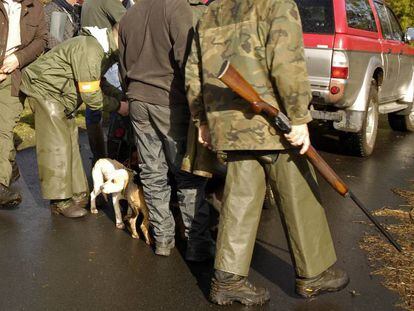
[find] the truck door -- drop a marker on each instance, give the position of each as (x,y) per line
(405,72)
(391,49)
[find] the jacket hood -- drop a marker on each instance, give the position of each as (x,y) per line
(103,36)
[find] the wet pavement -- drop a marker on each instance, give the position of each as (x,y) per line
(52,263)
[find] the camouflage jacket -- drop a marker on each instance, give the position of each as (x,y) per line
(198,159)
(198,7)
(263,40)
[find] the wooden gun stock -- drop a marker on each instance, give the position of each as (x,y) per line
(235,81)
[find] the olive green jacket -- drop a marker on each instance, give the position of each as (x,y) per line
(263,40)
(101,13)
(79,62)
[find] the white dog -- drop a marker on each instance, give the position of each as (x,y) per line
(111,177)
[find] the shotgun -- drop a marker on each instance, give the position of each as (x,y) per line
(234,80)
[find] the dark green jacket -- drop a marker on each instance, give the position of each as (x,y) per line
(101,13)
(71,73)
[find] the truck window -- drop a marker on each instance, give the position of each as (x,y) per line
(359,15)
(317,16)
(397,33)
(386,27)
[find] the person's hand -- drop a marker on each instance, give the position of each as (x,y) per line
(123,108)
(299,136)
(10,64)
(204,137)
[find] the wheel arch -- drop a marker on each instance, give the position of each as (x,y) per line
(375,70)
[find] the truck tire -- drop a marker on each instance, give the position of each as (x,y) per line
(401,123)
(362,143)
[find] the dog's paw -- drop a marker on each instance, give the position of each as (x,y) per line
(120,225)
(149,240)
(94,211)
(135,236)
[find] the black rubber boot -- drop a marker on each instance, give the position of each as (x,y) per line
(331,280)
(201,253)
(67,208)
(227,288)
(9,198)
(96,141)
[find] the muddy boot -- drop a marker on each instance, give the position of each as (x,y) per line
(227,288)
(331,280)
(81,199)
(164,248)
(67,208)
(9,198)
(96,141)
(201,253)
(15,172)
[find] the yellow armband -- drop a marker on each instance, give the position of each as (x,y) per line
(89,87)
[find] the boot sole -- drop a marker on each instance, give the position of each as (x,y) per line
(223,300)
(321,291)
(55,211)
(11,205)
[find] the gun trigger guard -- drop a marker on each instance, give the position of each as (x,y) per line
(283,123)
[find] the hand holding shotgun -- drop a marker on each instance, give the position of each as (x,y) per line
(232,78)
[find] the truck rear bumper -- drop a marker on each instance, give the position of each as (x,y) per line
(343,120)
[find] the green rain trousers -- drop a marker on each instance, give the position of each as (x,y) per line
(10,109)
(61,170)
(294,184)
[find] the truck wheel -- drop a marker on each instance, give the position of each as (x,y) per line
(401,123)
(362,143)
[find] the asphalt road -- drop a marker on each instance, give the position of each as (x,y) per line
(52,263)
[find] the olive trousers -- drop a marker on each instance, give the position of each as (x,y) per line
(60,165)
(294,184)
(10,109)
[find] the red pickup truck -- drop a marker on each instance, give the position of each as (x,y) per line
(360,65)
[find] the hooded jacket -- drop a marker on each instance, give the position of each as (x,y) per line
(71,73)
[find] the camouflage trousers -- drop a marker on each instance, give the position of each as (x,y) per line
(160,134)
(10,109)
(59,161)
(294,184)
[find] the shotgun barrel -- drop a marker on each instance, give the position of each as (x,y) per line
(235,81)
